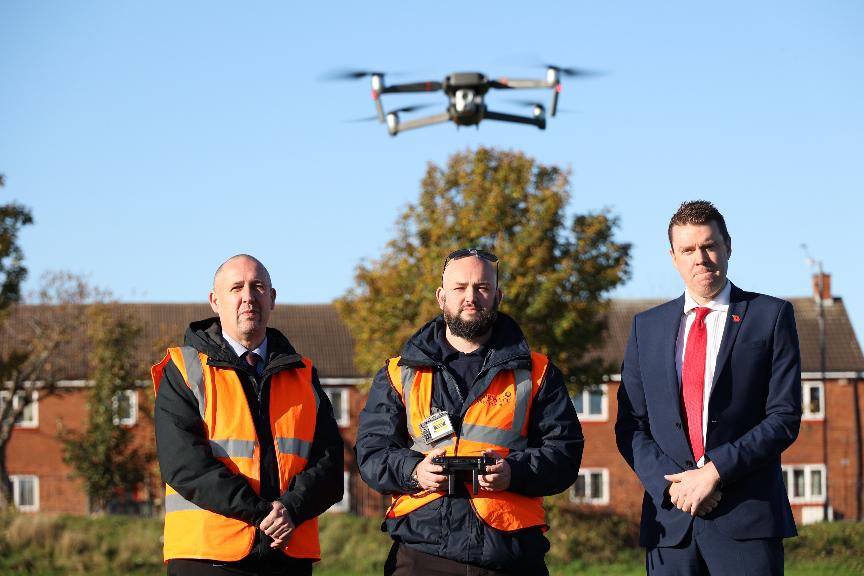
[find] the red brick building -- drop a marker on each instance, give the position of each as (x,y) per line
(823,468)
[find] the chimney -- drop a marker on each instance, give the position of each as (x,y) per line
(822,287)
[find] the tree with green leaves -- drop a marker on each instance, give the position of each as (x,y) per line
(555,270)
(105,455)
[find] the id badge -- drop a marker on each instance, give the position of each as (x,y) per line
(436,427)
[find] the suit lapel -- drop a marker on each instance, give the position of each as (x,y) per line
(734,319)
(671,324)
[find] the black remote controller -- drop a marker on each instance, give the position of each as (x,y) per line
(474,464)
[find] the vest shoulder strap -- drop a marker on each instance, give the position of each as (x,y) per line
(191,366)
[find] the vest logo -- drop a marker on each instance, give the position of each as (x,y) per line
(496,399)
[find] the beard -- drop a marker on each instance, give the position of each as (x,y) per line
(471,329)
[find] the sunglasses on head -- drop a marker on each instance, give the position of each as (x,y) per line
(465,252)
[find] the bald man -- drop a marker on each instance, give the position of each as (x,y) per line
(467,385)
(247,444)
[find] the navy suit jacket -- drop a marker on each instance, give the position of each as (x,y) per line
(754,413)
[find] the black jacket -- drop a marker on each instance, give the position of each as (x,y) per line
(188,465)
(448,527)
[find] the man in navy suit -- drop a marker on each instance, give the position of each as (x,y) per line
(710,396)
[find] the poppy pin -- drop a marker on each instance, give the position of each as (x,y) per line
(736,318)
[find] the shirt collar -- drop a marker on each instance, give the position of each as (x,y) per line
(239,349)
(720,301)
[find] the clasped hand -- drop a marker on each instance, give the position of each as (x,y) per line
(695,491)
(429,476)
(278,525)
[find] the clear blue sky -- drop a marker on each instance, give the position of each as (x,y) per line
(154,139)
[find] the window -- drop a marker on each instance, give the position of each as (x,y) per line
(805,482)
(25,493)
(591,487)
(814,406)
(591,402)
(30,416)
(339,400)
(343,505)
(125,405)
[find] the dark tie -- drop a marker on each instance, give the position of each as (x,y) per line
(252,359)
(693,380)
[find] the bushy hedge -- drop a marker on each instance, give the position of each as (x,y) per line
(840,542)
(68,545)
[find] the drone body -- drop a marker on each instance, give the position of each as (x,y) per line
(466,93)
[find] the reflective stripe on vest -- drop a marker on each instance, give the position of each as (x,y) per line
(194,532)
(495,420)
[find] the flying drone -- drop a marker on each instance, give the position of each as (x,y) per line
(466,93)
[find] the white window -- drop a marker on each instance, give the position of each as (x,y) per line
(125,405)
(339,400)
(592,402)
(30,416)
(343,505)
(25,493)
(805,482)
(591,487)
(814,399)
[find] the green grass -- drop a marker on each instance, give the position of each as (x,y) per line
(581,545)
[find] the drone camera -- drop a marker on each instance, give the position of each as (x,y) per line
(465,100)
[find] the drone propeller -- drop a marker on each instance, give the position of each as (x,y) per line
(406,109)
(352,74)
(532,103)
(523,102)
(574,72)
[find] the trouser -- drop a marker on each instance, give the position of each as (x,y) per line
(246,567)
(707,551)
(405,561)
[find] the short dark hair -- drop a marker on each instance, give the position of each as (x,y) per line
(698,212)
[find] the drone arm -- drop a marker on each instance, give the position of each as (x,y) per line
(554,107)
(397,127)
(376,97)
(540,121)
(519,83)
(412,87)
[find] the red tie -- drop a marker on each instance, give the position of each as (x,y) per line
(693,380)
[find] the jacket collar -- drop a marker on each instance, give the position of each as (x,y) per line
(206,337)
(506,346)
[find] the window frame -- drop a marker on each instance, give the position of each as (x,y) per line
(344,419)
(16,492)
(788,471)
(16,402)
(806,386)
(603,500)
(132,420)
(585,415)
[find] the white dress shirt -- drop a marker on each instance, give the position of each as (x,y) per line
(715,321)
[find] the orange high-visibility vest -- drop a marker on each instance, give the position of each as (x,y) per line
(192,532)
(496,420)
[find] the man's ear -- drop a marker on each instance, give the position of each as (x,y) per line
(272,298)
(439,296)
(214,302)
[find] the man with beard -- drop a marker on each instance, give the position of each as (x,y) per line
(246,440)
(467,385)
